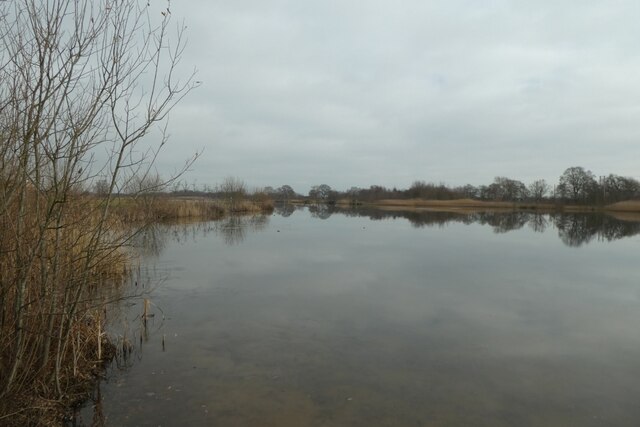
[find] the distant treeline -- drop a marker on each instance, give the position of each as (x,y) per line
(576,185)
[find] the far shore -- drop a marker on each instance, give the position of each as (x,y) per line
(625,208)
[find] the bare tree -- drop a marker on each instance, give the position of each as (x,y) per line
(77,79)
(578,184)
(286,192)
(468,191)
(616,188)
(321,192)
(504,189)
(538,189)
(234,191)
(101,187)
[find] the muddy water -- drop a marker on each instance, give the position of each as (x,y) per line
(322,318)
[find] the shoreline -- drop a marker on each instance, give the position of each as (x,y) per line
(626,211)
(631,206)
(461,205)
(88,356)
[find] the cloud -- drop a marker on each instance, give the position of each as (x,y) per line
(351,93)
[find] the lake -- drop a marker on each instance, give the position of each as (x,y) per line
(326,317)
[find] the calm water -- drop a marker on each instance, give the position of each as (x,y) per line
(322,318)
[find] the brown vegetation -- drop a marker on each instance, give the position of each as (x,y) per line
(461,204)
(72,80)
(57,277)
(57,274)
(167,208)
(625,211)
(471,204)
(626,206)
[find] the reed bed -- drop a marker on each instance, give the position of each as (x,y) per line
(626,206)
(63,253)
(61,264)
(475,205)
(166,208)
(145,209)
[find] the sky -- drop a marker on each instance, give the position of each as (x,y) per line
(357,93)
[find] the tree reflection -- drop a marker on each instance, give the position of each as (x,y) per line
(579,229)
(504,222)
(150,240)
(574,229)
(234,227)
(321,211)
(285,209)
(538,223)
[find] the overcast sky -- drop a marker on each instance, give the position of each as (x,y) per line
(355,93)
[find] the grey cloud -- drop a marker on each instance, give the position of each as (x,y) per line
(360,93)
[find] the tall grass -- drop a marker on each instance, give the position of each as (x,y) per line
(61,263)
(70,88)
(166,208)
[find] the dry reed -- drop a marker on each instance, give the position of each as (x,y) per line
(56,275)
(166,208)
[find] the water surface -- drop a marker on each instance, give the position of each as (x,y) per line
(317,317)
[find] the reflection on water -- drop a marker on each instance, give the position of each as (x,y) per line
(152,239)
(286,209)
(361,319)
(574,229)
(234,228)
